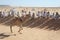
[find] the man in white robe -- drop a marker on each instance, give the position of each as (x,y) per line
(13,12)
(23,13)
(39,14)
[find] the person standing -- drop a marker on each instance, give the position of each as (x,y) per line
(3,13)
(57,15)
(39,14)
(23,13)
(48,14)
(12,12)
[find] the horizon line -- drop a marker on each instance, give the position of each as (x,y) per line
(28,6)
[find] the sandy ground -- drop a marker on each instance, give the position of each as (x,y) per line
(29,34)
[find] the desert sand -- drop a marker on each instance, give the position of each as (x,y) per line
(28,34)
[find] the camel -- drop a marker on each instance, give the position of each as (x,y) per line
(16,22)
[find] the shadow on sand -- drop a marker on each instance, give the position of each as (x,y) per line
(42,23)
(2,35)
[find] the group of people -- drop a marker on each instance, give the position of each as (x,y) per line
(48,14)
(15,13)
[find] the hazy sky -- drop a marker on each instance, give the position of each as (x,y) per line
(38,3)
